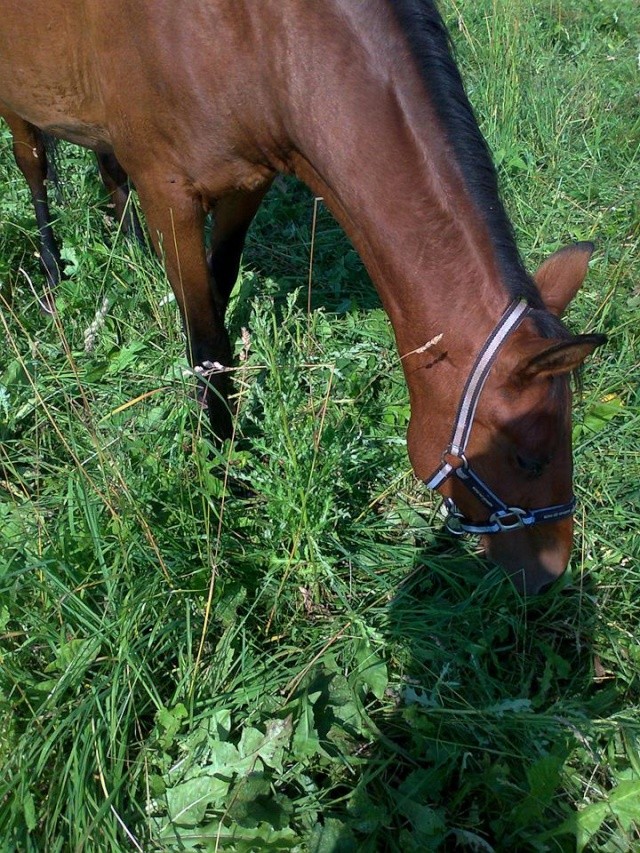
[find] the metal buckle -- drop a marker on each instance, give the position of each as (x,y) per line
(512,518)
(453,518)
(453,524)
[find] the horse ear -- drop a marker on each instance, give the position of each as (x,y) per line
(560,276)
(550,358)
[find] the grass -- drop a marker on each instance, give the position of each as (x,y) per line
(316,666)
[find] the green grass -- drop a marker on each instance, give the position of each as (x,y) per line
(309,663)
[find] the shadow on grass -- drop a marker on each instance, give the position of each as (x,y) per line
(279,249)
(502,719)
(491,720)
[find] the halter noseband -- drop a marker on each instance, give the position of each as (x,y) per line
(455,464)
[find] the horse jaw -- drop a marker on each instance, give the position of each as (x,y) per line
(534,557)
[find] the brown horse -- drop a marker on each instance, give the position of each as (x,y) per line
(203,103)
(30,152)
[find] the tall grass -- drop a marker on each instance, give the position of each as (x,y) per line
(273,645)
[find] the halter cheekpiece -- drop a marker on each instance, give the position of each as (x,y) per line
(455,464)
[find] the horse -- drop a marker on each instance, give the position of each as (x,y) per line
(31,156)
(203,104)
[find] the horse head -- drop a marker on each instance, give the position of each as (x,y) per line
(505,466)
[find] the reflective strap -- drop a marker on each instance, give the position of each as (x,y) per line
(439,476)
(509,321)
(553,513)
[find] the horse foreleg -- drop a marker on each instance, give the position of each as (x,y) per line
(176,224)
(30,155)
(116,182)
(233,214)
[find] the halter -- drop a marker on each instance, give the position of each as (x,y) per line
(454,462)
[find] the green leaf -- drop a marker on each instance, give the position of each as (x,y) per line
(270,746)
(377,678)
(305,742)
(224,759)
(157,786)
(366,815)
(221,719)
(252,802)
(599,414)
(83,650)
(47,685)
(544,778)
(470,841)
(121,359)
(623,804)
(70,256)
(244,839)
(332,836)
(170,721)
(371,671)
(510,706)
(344,704)
(421,785)
(587,823)
(428,823)
(29,809)
(187,803)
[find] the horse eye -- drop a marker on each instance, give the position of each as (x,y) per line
(532,467)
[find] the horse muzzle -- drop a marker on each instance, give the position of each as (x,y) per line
(533,557)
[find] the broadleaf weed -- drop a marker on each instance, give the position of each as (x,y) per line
(273,645)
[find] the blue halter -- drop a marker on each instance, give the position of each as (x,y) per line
(455,464)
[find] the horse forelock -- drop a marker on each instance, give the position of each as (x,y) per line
(432,49)
(550,326)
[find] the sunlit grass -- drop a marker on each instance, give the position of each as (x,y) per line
(274,646)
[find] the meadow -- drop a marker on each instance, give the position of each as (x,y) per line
(275,645)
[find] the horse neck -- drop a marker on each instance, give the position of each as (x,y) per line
(366,137)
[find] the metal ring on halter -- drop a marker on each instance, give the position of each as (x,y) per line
(453,518)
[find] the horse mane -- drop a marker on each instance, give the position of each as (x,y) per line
(431,46)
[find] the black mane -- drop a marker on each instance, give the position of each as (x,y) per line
(431,46)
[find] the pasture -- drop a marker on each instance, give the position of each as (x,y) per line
(275,645)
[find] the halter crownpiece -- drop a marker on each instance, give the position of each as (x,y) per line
(455,464)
